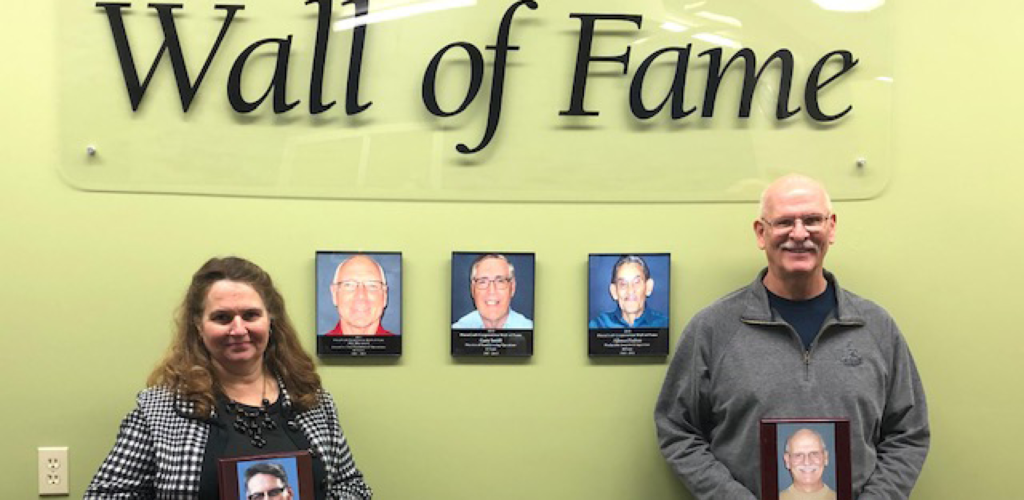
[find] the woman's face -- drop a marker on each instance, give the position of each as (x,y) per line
(235,326)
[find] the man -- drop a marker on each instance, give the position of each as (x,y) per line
(792,344)
(631,285)
(492,284)
(267,480)
(806,459)
(360,292)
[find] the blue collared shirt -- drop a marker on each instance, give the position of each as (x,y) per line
(473,321)
(613,319)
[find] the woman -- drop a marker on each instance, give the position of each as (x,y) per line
(234,382)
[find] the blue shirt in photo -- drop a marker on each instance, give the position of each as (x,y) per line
(473,321)
(613,319)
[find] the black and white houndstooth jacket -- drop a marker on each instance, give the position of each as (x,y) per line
(159,451)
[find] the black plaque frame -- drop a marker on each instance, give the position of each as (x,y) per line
(640,341)
(358,345)
(493,342)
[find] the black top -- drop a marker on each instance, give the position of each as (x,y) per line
(226,442)
(806,316)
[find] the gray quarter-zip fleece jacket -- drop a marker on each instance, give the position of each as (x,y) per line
(738,362)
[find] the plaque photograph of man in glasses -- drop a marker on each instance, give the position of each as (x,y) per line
(267,480)
(492,304)
(359,303)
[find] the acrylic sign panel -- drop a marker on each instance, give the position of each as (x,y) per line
(545,144)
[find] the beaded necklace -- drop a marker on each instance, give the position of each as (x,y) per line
(252,421)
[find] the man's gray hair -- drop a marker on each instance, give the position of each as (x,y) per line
(478,260)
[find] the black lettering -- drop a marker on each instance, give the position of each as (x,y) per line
(476,66)
(750,80)
(675,93)
(501,49)
(278,82)
(355,62)
(584,57)
(814,86)
(172,46)
(316,80)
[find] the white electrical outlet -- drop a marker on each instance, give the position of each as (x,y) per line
(53,470)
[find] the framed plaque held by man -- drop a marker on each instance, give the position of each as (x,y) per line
(805,459)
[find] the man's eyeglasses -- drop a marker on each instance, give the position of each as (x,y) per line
(812,223)
(350,286)
(271,493)
(814,457)
(500,282)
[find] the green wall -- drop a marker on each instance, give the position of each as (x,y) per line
(90,281)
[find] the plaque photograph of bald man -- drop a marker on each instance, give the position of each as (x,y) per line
(359,303)
(806,459)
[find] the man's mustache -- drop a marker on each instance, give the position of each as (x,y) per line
(802,245)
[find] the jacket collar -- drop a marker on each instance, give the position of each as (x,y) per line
(759,311)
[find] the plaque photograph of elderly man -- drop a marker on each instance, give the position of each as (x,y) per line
(805,459)
(492,304)
(359,305)
(628,301)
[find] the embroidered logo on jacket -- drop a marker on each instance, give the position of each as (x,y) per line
(852,357)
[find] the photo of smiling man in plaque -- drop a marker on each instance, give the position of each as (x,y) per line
(492,286)
(492,303)
(806,473)
(628,301)
(359,303)
(630,286)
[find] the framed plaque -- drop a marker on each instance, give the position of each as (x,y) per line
(805,458)
(271,476)
(358,303)
(492,304)
(628,304)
